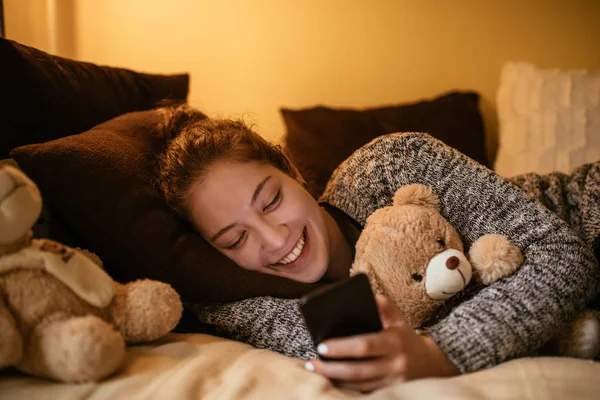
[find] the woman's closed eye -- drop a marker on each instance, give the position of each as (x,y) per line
(273,203)
(240,241)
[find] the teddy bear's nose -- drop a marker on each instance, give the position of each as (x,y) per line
(452,262)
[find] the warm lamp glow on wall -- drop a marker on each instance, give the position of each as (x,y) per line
(549,119)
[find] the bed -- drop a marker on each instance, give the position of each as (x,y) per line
(199,366)
(87,139)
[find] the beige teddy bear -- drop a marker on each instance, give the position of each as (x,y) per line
(61,315)
(412,255)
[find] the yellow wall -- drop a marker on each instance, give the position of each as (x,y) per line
(47,25)
(250,57)
(27,22)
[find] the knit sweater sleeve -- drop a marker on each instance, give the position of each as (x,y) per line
(264,322)
(514,315)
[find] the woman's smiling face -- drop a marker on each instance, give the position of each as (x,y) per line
(262,219)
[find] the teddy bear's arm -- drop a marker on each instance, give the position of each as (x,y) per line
(138,322)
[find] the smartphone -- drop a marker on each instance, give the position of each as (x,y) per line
(345,308)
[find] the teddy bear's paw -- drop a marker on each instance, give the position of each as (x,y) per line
(146,310)
(75,349)
(494,257)
(581,339)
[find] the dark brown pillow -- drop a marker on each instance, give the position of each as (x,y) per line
(44,97)
(319,139)
(98,183)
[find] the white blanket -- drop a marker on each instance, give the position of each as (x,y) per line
(197,366)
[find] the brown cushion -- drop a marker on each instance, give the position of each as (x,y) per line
(44,97)
(98,183)
(319,139)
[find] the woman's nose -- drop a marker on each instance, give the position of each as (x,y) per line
(275,236)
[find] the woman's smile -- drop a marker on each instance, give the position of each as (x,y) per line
(299,257)
(295,253)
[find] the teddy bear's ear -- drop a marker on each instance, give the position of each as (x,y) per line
(417,194)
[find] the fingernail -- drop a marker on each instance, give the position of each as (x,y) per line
(309,366)
(322,348)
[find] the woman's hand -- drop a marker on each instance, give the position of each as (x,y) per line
(397,353)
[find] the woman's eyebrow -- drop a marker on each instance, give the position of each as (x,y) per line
(259,187)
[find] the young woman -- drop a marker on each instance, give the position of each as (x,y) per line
(245,197)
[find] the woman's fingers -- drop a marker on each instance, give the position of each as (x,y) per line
(376,359)
(388,313)
(368,345)
(361,371)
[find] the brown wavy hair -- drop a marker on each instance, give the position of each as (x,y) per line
(195,142)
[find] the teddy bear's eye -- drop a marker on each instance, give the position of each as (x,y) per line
(417,277)
(441,242)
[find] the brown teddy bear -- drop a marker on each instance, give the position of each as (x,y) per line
(61,315)
(412,255)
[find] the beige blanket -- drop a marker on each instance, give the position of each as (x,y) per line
(206,367)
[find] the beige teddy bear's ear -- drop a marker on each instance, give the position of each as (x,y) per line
(417,194)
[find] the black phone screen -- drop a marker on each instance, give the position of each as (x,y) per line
(344,308)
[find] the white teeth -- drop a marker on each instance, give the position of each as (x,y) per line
(295,253)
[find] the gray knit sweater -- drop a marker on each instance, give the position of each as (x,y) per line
(506,320)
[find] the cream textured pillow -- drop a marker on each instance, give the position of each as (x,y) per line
(549,119)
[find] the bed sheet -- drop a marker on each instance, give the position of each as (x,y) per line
(200,366)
